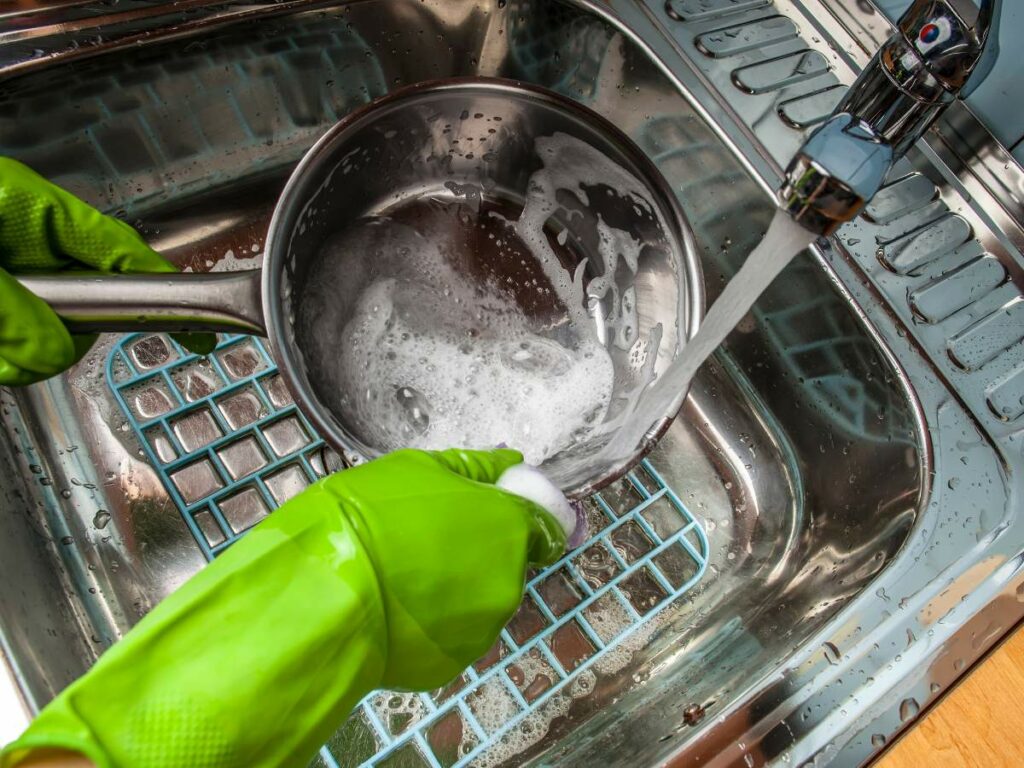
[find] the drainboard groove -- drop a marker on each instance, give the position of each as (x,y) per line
(651,548)
(772,75)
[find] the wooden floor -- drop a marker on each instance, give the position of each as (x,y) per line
(979,725)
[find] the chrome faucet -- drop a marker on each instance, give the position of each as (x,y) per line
(941,50)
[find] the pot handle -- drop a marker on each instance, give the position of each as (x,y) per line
(226,302)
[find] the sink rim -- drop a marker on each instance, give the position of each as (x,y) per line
(842,272)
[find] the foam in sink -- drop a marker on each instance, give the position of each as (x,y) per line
(229,446)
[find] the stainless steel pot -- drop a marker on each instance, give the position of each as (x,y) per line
(429,144)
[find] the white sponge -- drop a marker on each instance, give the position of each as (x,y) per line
(530,483)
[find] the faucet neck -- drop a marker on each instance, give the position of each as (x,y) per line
(947,37)
(925,65)
(938,47)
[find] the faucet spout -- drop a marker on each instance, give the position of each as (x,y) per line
(941,49)
(837,171)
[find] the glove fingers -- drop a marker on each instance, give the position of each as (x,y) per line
(482,466)
(546,541)
(34,343)
(197,343)
(13,376)
(45,224)
(110,245)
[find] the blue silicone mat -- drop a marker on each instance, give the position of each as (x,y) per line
(230,446)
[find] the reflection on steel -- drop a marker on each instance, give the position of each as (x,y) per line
(856,558)
(939,52)
(225,437)
(236,449)
(693,714)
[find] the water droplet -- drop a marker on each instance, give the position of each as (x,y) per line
(831,653)
(415,407)
(909,709)
(101,519)
(67,541)
(878,741)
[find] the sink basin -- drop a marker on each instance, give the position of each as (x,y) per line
(747,593)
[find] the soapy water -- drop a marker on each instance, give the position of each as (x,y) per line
(428,356)
(570,164)
(424,347)
(421,344)
(783,240)
(431,365)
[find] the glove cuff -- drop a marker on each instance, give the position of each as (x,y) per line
(254,661)
(65,732)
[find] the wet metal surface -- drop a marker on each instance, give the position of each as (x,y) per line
(855,481)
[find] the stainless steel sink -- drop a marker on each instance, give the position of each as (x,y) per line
(845,472)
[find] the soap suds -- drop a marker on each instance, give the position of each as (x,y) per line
(429,360)
(419,349)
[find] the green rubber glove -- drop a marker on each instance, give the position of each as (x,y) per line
(44,228)
(398,574)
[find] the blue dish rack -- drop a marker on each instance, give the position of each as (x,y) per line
(230,445)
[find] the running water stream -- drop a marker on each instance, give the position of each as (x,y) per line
(458,320)
(783,240)
(467,319)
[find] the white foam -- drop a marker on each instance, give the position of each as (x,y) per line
(530,483)
(432,359)
(573,165)
(229,262)
(429,360)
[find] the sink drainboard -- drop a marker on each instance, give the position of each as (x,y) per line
(230,446)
